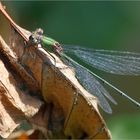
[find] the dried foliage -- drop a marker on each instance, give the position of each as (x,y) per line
(28,73)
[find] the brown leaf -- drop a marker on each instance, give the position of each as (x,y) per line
(70,111)
(15,103)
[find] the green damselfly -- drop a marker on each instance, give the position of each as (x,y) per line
(115,62)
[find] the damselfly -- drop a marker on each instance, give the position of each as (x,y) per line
(115,62)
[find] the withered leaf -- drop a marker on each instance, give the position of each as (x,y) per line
(70,111)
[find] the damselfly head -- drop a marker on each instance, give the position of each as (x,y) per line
(35,37)
(39,31)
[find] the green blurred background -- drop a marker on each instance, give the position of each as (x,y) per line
(97,24)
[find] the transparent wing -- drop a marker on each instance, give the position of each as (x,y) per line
(93,86)
(115,62)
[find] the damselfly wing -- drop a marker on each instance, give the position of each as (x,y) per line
(114,62)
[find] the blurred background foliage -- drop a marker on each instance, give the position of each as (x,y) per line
(97,24)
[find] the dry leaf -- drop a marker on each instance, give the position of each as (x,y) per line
(16,105)
(70,111)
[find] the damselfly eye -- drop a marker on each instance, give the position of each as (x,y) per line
(33,40)
(30,37)
(39,31)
